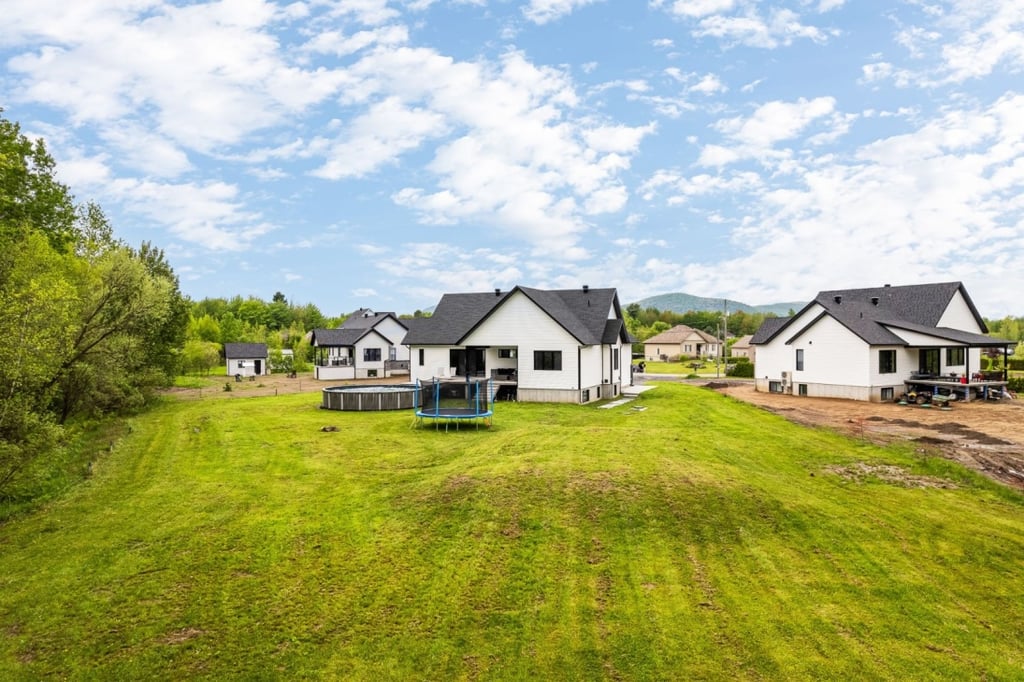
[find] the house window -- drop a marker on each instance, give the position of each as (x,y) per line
(586,395)
(886,362)
(371,373)
(929,361)
(799,359)
(615,358)
(392,353)
(775,387)
(955,356)
(887,394)
(241,364)
(506,353)
(547,360)
(371,355)
(421,357)
(801,389)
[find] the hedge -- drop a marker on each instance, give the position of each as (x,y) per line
(742,370)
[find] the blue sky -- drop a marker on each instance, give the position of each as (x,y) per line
(379,153)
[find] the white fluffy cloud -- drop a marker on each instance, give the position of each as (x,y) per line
(543,11)
(942,201)
(756,136)
(742,22)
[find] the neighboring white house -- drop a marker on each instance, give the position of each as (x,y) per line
(568,345)
(681,341)
(367,345)
(863,344)
(247,359)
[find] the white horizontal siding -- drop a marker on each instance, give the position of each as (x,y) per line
(519,322)
(958,315)
(833,354)
(436,361)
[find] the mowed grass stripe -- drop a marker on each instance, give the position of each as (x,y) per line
(699,538)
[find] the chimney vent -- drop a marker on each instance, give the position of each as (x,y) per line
(888,285)
(837,298)
(497,292)
(586,288)
(874,300)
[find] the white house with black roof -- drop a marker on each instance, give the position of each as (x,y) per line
(247,359)
(367,345)
(865,344)
(538,345)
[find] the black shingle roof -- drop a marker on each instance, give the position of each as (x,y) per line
(868,312)
(582,313)
(768,329)
(245,350)
(337,337)
(366,319)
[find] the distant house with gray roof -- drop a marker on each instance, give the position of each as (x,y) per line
(741,348)
(539,345)
(864,344)
(681,341)
(367,345)
(247,359)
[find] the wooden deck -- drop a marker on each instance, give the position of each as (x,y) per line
(965,390)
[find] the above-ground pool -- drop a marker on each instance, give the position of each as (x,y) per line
(370,398)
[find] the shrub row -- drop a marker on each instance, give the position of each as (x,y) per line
(742,370)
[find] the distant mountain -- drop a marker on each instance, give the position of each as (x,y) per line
(684,303)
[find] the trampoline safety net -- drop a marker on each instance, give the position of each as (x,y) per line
(454,398)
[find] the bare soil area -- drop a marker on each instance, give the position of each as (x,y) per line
(271,384)
(987,436)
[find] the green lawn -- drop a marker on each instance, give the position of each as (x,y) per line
(699,538)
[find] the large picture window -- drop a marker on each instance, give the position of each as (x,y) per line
(547,360)
(886,362)
(371,355)
(955,356)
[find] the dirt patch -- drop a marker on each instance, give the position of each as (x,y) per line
(269,385)
(985,436)
(888,473)
(181,636)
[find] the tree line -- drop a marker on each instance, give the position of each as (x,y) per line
(89,325)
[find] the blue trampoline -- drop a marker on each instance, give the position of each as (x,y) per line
(454,401)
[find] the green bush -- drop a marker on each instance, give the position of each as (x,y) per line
(985,363)
(1015,384)
(743,370)
(1016,364)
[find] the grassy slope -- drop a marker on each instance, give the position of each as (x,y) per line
(698,538)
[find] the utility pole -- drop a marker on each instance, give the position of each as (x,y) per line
(725,331)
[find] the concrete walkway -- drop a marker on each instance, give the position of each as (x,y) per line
(628,393)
